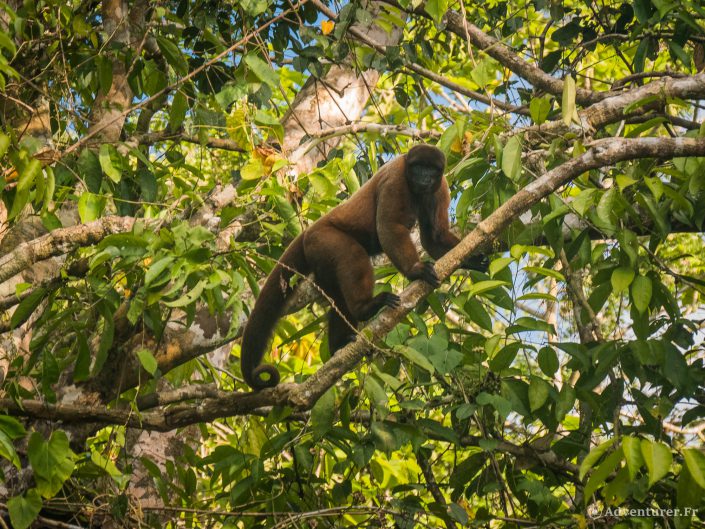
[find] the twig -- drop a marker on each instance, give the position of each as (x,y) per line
(432,485)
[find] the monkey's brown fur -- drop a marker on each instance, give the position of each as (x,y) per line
(337,249)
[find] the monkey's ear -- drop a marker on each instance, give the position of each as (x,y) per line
(476,262)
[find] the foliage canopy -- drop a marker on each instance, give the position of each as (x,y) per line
(157,157)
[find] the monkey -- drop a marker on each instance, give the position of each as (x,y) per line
(337,248)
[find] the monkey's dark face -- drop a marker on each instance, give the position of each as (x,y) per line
(424,169)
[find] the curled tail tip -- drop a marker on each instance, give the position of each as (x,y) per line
(257,382)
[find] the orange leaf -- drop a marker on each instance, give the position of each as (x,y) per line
(327,26)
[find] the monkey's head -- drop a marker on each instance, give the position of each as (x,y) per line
(424,168)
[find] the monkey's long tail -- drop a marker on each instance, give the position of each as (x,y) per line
(265,314)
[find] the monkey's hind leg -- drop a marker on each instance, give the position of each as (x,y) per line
(341,330)
(343,270)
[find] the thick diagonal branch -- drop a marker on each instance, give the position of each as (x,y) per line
(302,396)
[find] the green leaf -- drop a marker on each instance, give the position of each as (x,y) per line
(89,169)
(106,340)
(657,457)
(189,297)
(631,446)
(254,7)
(156,268)
(504,357)
(173,55)
(414,356)
(4,144)
(262,70)
(90,206)
(548,361)
(384,436)
(82,366)
(656,187)
(568,109)
(29,175)
(147,360)
(601,473)
(478,314)
(323,414)
(624,181)
(106,163)
(52,461)
(678,52)
(695,461)
(539,390)
(511,158)
(26,307)
(540,108)
(7,450)
(499,264)
(6,42)
(503,406)
(12,427)
(641,102)
(111,469)
(528,323)
(49,189)
(621,278)
(436,8)
(375,392)
(482,74)
(583,201)
(594,455)
(606,206)
(641,292)
(484,286)
(105,73)
(688,494)
(565,401)
(547,272)
(445,360)
(177,111)
(24,509)
(642,10)
(252,170)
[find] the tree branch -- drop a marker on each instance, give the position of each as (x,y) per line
(379,128)
(546,458)
(302,396)
(59,242)
(611,110)
(225,144)
(432,484)
(433,76)
(458,25)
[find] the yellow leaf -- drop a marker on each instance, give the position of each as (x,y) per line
(269,162)
(580,521)
(568,104)
(327,26)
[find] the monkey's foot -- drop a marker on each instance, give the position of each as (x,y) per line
(477,262)
(424,270)
(388,299)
